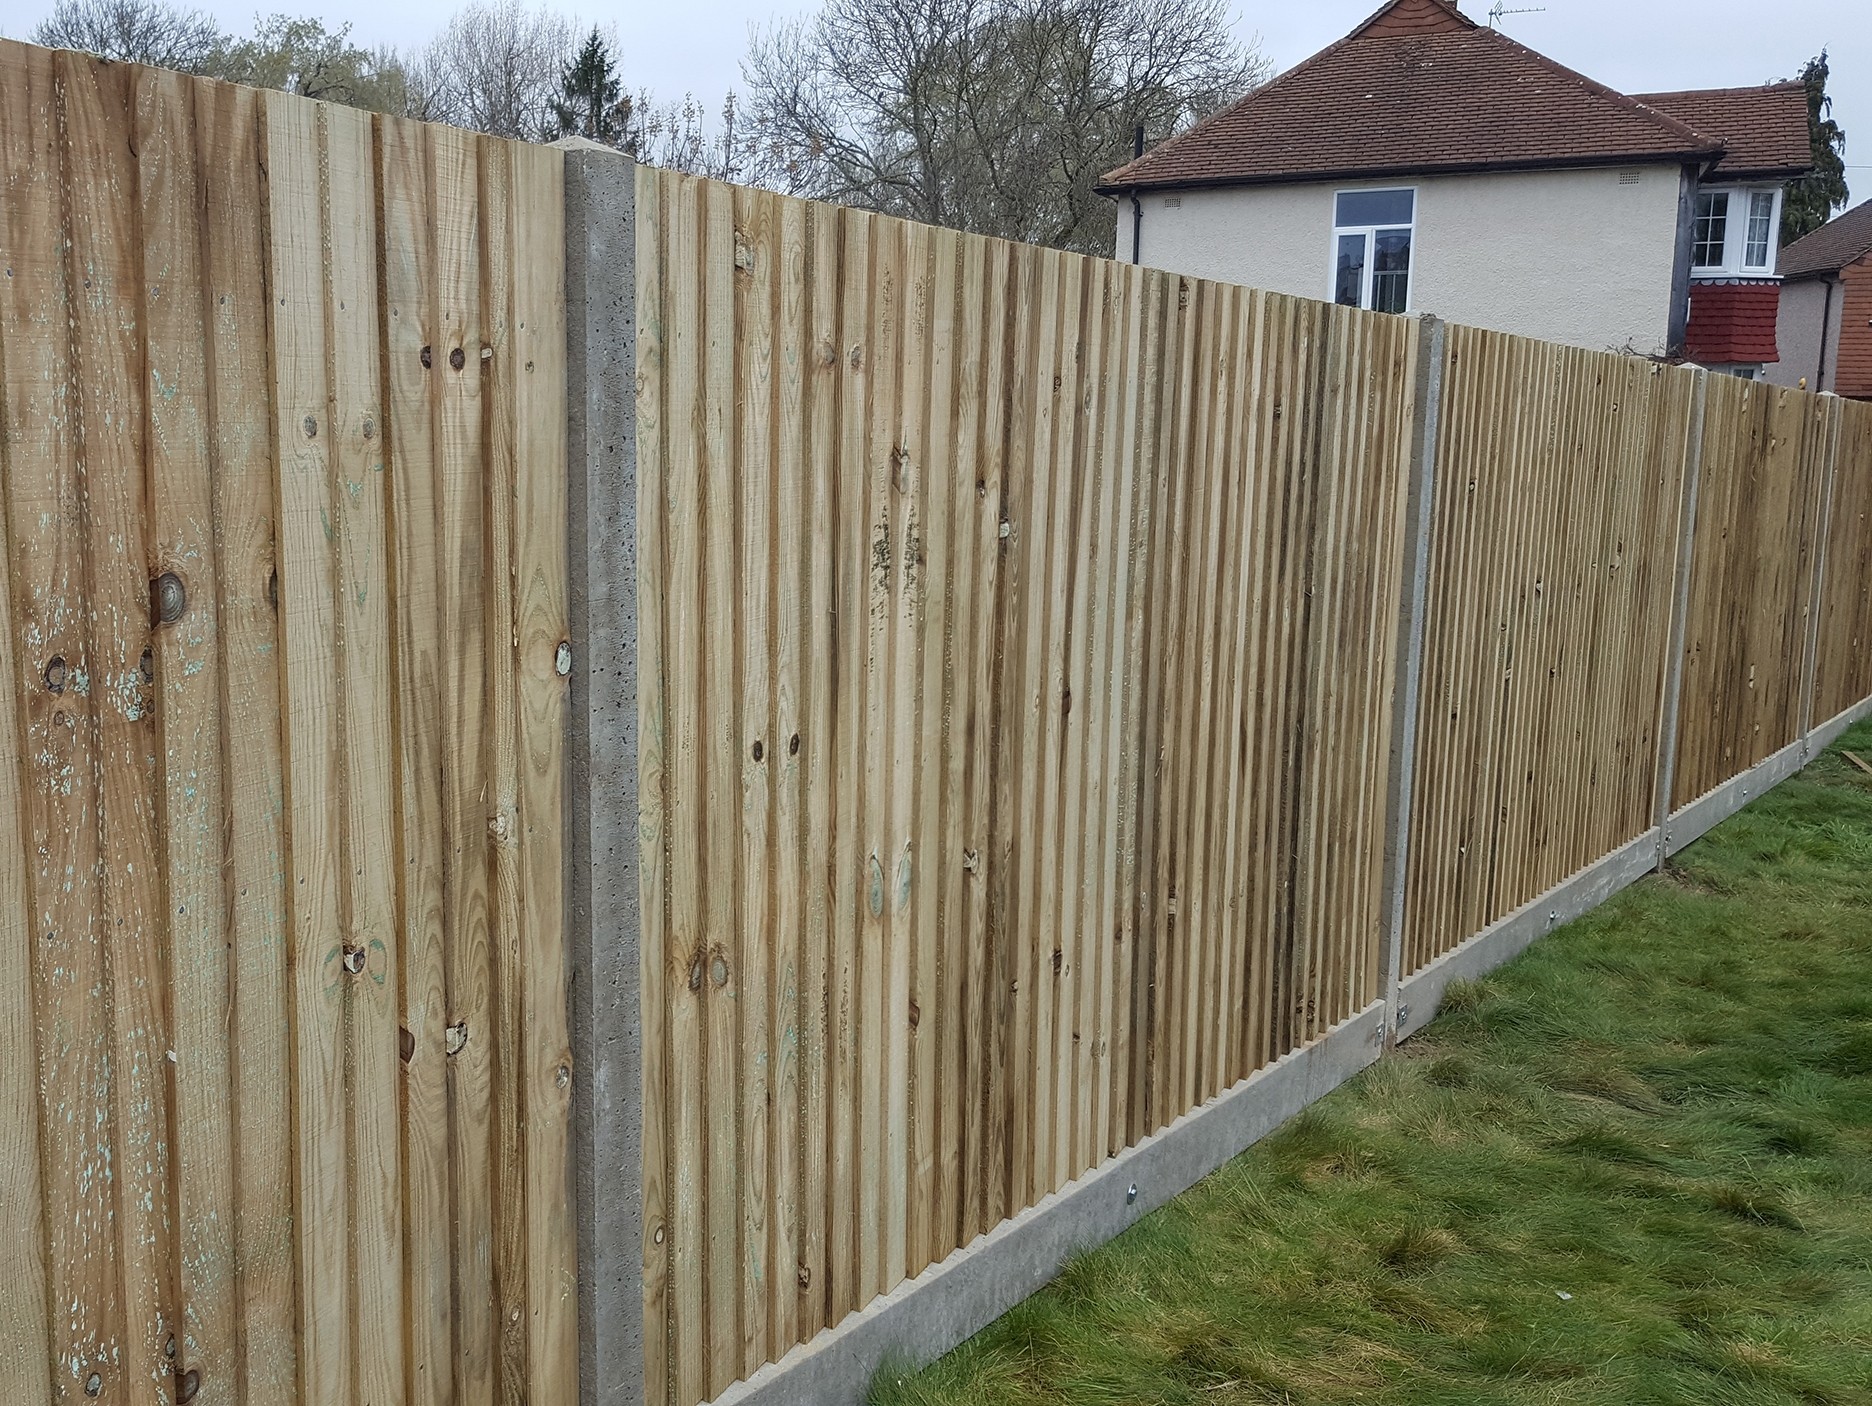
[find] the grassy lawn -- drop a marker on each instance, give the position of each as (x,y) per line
(1633,1166)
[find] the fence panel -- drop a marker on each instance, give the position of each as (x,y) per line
(1764,464)
(284,451)
(1560,477)
(1843,664)
(1013,761)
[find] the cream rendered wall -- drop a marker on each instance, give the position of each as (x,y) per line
(1568,256)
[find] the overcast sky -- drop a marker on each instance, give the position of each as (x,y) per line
(1632,45)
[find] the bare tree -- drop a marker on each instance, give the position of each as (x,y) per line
(679,136)
(135,31)
(997,116)
(496,68)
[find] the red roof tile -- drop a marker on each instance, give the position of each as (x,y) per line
(1419,88)
(1733,323)
(1832,247)
(1764,131)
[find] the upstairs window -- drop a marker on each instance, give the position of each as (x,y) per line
(1712,229)
(1760,230)
(1736,231)
(1372,237)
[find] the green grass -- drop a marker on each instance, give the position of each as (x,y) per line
(1633,1166)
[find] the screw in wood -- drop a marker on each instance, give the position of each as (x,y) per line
(354,960)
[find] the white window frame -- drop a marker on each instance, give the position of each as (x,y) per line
(1735,235)
(1371,247)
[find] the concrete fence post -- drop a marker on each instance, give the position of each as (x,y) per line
(1823,529)
(607,1105)
(1670,705)
(1407,696)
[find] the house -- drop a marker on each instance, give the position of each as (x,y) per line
(1427,163)
(1826,308)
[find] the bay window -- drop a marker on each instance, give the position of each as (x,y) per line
(1736,231)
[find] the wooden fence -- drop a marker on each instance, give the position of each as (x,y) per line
(1020,642)
(985,709)
(283,1049)
(1066,691)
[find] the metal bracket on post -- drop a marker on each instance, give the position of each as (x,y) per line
(607,1105)
(1670,704)
(1407,697)
(1810,668)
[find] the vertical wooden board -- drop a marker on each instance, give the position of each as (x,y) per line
(1080,775)
(880,1144)
(307,602)
(1208,897)
(407,237)
(985,325)
(929,571)
(367,779)
(500,767)
(792,637)
(536,366)
(1052,1058)
(108,395)
(230,150)
(32,446)
(1013,412)
(1099,757)
(188,711)
(961,359)
(1031,1089)
(753,477)
(826,883)
(1148,465)
(1162,800)
(848,565)
(1844,664)
(1260,555)
(720,753)
(658,979)
(463,563)
(897,446)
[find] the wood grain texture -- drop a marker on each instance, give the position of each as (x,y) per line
(1764,469)
(1548,629)
(1843,675)
(258,719)
(1092,619)
(1041,588)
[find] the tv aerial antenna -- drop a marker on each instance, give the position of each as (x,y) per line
(1501,11)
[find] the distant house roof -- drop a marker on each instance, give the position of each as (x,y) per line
(1764,131)
(1831,247)
(1419,88)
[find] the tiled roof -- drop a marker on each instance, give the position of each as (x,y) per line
(1832,247)
(1418,88)
(1764,131)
